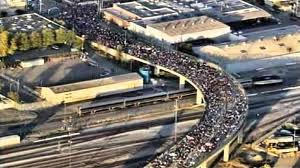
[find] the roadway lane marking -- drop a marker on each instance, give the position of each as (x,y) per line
(273,91)
(270,91)
(291,63)
(291,88)
(253,94)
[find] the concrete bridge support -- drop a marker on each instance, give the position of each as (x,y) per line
(240,137)
(203,164)
(156,71)
(200,98)
(181,82)
(226,153)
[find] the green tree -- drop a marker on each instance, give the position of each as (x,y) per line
(24,42)
(36,39)
(48,37)
(13,46)
(70,37)
(14,96)
(2,65)
(4,43)
(60,35)
(77,43)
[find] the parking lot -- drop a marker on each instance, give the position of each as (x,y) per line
(67,71)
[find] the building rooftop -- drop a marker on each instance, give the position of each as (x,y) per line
(229,10)
(226,11)
(253,49)
(27,23)
(188,25)
(119,14)
(95,83)
(279,31)
(241,16)
(144,9)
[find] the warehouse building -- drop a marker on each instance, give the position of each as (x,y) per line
(180,21)
(256,53)
(125,13)
(27,23)
(229,11)
(188,29)
(279,31)
(6,4)
(284,5)
(256,49)
(93,88)
(16,3)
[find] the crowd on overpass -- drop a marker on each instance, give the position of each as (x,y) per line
(226,102)
(106,3)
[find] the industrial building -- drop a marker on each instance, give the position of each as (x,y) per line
(17,3)
(250,54)
(125,13)
(231,11)
(145,10)
(280,31)
(181,21)
(284,5)
(256,49)
(6,4)
(188,29)
(93,88)
(27,23)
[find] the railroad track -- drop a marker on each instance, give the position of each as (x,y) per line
(105,107)
(95,135)
(77,157)
(110,114)
(49,148)
(19,156)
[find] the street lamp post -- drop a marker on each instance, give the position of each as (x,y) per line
(175,120)
(125,40)
(83,40)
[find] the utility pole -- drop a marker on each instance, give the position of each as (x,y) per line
(70,141)
(41,6)
(100,6)
(175,119)
(296,8)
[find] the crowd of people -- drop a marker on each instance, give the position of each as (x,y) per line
(106,3)
(226,104)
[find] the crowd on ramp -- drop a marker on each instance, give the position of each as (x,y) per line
(226,102)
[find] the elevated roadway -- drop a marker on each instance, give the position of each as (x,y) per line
(201,99)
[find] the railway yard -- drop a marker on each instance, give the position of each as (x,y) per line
(101,95)
(121,142)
